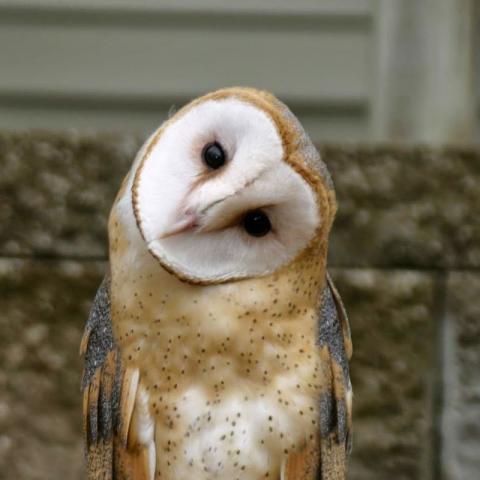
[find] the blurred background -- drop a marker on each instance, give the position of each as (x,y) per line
(350,69)
(389,91)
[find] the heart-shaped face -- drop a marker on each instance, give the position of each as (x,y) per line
(216,197)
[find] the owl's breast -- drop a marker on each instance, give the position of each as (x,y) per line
(244,432)
(236,411)
(232,373)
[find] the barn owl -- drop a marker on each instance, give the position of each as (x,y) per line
(217,346)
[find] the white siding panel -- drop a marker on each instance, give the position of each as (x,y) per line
(119,65)
(331,127)
(176,60)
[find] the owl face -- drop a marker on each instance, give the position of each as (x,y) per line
(214,197)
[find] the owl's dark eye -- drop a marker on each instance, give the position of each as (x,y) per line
(213,155)
(256,223)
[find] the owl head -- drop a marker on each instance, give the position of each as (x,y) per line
(230,187)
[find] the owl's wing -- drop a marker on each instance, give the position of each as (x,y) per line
(326,457)
(109,399)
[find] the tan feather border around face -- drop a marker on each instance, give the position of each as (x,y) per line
(266,102)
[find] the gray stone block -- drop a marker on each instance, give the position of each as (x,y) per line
(56,191)
(461,415)
(43,308)
(409,207)
(391,316)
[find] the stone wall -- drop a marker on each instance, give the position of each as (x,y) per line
(405,255)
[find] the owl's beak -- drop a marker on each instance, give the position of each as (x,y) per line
(193,218)
(186,222)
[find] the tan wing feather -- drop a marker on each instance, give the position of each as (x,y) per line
(109,398)
(92,409)
(127,401)
(332,459)
(303,465)
(118,455)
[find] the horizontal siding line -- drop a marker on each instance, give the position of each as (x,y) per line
(347,6)
(80,101)
(192,18)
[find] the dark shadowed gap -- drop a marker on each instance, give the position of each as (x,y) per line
(438,370)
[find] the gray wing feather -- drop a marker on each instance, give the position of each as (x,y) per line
(103,417)
(334,337)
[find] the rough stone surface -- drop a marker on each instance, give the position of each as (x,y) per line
(44,306)
(391,316)
(398,207)
(56,191)
(461,416)
(406,207)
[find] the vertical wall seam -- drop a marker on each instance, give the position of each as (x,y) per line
(438,373)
